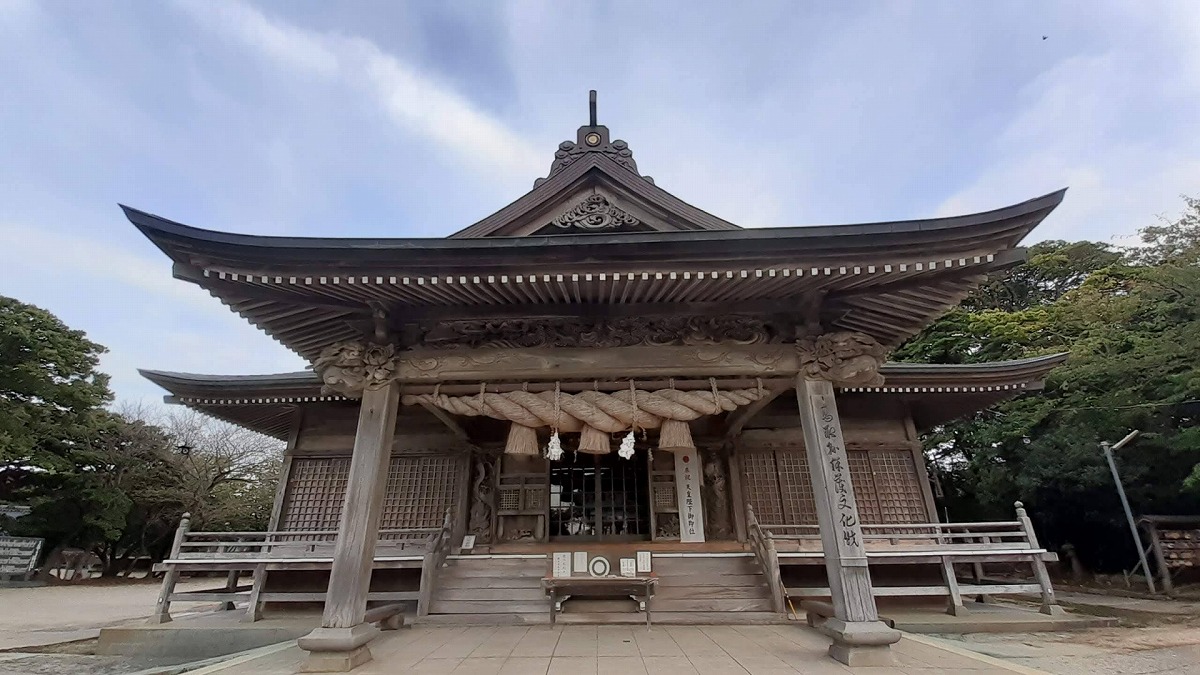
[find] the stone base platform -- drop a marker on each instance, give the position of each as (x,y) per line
(633,650)
(201,637)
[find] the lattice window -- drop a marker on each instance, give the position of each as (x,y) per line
(795,487)
(664,496)
(510,499)
(897,487)
(779,487)
(864,486)
(762,485)
(419,490)
(316,486)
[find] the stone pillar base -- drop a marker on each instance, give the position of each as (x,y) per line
(861,643)
(862,656)
(337,650)
(1053,610)
(335,662)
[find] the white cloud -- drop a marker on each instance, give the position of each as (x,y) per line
(134,307)
(1100,123)
(28,251)
(413,100)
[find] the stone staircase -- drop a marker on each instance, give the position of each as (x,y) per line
(692,589)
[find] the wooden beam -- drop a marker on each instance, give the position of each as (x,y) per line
(446,419)
(792,306)
(739,417)
(582,363)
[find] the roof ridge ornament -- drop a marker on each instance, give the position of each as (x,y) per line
(592,137)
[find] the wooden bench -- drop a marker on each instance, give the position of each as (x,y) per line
(944,545)
(558,589)
(19,557)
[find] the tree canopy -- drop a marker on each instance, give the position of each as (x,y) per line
(1131,322)
(114,483)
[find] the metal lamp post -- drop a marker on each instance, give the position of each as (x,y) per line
(1137,538)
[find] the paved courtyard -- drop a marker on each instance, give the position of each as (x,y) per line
(623,650)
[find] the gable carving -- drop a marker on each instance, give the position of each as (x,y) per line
(595,213)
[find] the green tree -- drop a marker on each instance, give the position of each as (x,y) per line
(49,385)
(1131,322)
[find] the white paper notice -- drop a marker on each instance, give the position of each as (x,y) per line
(562,565)
(687,489)
(581,562)
(643,562)
(628,567)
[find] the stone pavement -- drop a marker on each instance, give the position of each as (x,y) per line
(625,650)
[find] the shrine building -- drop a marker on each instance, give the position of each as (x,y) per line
(603,370)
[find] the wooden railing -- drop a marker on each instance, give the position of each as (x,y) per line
(944,544)
(764,550)
(289,544)
(435,557)
(943,537)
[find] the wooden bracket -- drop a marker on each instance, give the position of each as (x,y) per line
(739,417)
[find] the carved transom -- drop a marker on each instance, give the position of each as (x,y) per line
(596,213)
(626,332)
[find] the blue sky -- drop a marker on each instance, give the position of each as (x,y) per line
(381,118)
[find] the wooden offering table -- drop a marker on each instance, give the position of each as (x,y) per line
(561,588)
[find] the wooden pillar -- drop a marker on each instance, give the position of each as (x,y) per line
(859,637)
(254,610)
(1160,560)
(1049,603)
(162,609)
(340,643)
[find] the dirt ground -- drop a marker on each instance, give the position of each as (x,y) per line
(51,630)
(1161,645)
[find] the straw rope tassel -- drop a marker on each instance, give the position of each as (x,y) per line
(522,440)
(675,434)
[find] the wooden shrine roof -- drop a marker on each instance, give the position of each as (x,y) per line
(888,280)
(937,393)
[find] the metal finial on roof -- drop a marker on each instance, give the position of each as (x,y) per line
(592,138)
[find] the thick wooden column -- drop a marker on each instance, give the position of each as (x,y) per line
(859,637)
(340,643)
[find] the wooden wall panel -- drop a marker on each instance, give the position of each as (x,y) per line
(419,490)
(778,484)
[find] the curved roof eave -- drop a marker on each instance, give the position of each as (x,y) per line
(999,229)
(1033,368)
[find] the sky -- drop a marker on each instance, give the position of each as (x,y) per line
(415,119)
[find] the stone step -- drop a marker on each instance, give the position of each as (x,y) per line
(634,618)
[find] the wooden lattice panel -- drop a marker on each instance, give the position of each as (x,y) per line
(897,487)
(761,485)
(419,490)
(664,496)
(795,487)
(864,486)
(778,485)
(316,486)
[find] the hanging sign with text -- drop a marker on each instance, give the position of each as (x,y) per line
(836,470)
(687,492)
